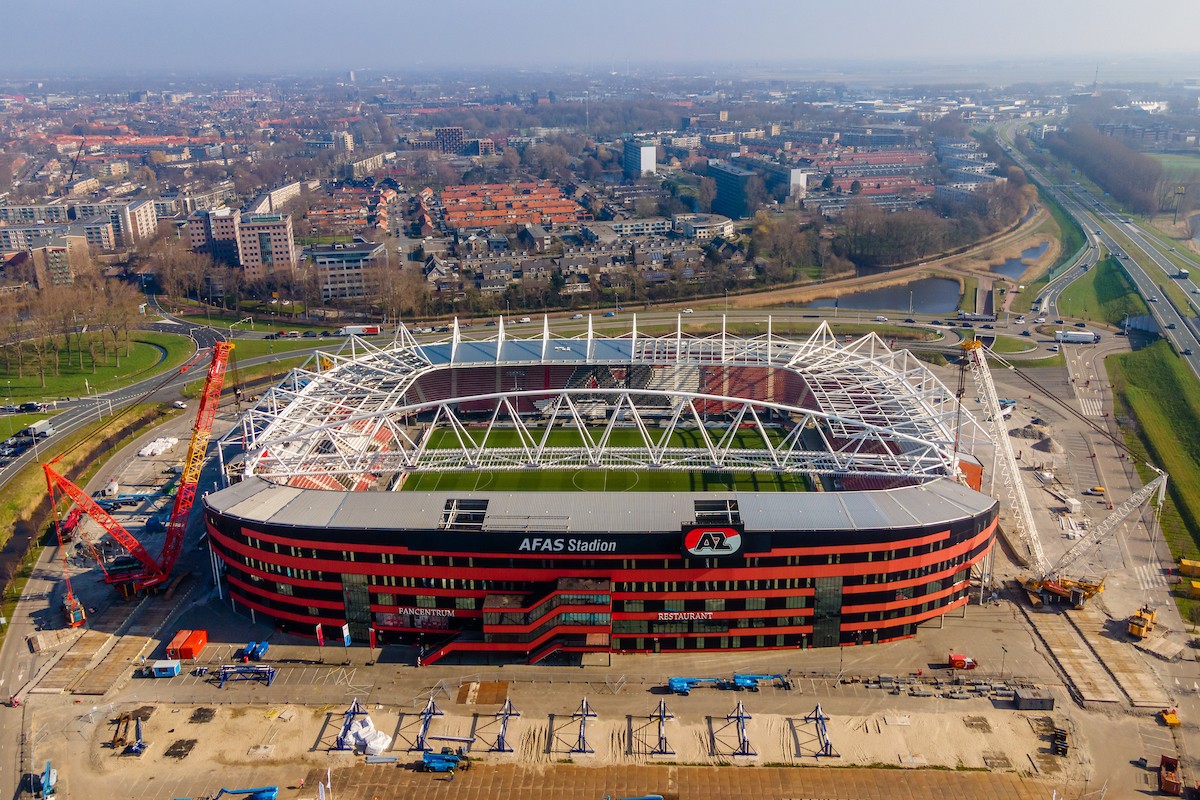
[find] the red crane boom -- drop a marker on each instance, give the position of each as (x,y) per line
(156,571)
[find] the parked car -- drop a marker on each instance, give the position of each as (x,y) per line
(309,334)
(11,409)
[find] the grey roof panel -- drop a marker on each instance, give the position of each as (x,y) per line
(940,501)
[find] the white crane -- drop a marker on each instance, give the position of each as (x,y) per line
(1018,501)
(1014,490)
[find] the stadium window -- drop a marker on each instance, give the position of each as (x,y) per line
(284,589)
(426,601)
(794,601)
(465,603)
(313,611)
(633,606)
(673,605)
(756,603)
(714,605)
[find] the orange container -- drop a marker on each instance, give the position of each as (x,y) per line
(177,643)
(194,645)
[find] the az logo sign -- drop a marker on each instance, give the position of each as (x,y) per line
(712,541)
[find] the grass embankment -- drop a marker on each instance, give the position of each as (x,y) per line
(245,349)
(1104,294)
(24,506)
(1070,236)
(152,352)
(1158,405)
(1012,344)
(259,374)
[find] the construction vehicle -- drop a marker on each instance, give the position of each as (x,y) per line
(750,682)
(261,793)
(1141,624)
(684,686)
(1049,585)
(959,661)
(1169,717)
(1170,782)
(146,572)
(45,783)
(444,761)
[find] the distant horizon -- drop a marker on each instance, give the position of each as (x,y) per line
(1156,69)
(1064,40)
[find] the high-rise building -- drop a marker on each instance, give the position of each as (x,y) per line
(132,222)
(345,270)
(215,231)
(639,159)
(266,246)
(342,140)
(731,199)
(59,260)
(450,140)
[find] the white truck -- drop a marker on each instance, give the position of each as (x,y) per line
(358,330)
(1076,337)
(40,429)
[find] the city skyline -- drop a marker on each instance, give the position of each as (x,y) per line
(1061,39)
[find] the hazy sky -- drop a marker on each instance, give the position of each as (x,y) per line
(256,36)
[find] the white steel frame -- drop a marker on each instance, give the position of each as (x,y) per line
(347,418)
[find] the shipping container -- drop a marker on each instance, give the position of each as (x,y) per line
(177,642)
(1033,700)
(165,669)
(1189,568)
(194,646)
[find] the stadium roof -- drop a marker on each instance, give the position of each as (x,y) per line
(356,418)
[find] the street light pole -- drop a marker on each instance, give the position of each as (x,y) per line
(1003,659)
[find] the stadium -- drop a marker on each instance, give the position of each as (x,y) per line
(508,497)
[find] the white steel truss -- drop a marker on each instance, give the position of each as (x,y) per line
(354,418)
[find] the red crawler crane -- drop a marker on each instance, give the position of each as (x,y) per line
(149,572)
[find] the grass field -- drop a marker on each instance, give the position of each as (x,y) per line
(1154,387)
(604,480)
(152,352)
(1105,294)
(1177,164)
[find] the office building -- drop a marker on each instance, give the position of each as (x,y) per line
(731,199)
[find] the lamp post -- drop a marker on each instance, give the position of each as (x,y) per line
(240,322)
(1003,659)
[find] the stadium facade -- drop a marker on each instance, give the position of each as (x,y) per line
(515,497)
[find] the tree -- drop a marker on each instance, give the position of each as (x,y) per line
(707,194)
(856,187)
(756,194)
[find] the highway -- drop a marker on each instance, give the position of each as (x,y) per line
(1175,324)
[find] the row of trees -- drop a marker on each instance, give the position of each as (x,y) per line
(85,325)
(1133,178)
(874,237)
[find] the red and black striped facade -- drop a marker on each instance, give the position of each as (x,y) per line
(522,594)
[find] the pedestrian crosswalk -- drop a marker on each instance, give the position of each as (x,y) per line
(1150,576)
(1092,406)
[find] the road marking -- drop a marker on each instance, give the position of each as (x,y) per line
(1150,577)
(1092,406)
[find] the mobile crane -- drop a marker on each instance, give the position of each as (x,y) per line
(144,571)
(1048,581)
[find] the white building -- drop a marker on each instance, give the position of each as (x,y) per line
(639,159)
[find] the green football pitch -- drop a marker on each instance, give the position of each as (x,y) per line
(603,480)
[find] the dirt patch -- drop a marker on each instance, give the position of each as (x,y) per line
(180,748)
(202,715)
